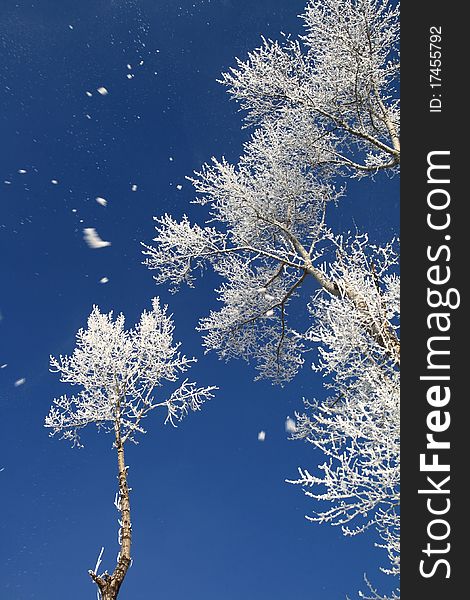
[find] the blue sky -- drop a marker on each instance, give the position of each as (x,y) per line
(212,516)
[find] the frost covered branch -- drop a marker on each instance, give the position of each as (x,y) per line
(357,429)
(121,374)
(340,78)
(322,109)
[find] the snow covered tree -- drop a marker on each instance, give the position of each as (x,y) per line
(120,373)
(356,323)
(271,238)
(357,428)
(340,80)
(324,109)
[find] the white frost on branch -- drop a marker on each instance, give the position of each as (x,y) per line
(98,561)
(357,428)
(324,108)
(266,217)
(363,318)
(341,77)
(121,373)
(373,593)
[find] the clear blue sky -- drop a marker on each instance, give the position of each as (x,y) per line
(212,516)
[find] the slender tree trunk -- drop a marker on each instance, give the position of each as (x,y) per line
(109,585)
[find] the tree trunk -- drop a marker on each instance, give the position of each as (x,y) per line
(109,585)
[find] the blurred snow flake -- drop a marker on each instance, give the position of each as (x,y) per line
(179,187)
(7,182)
(134,187)
(19,382)
(101,201)
(261,436)
(54,181)
(269,313)
(104,280)
(92,238)
(102,90)
(4,366)
(290,425)
(89,94)
(22,171)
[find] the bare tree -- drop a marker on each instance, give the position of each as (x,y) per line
(120,372)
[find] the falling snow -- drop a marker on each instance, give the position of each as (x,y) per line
(92,238)
(290,425)
(82,135)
